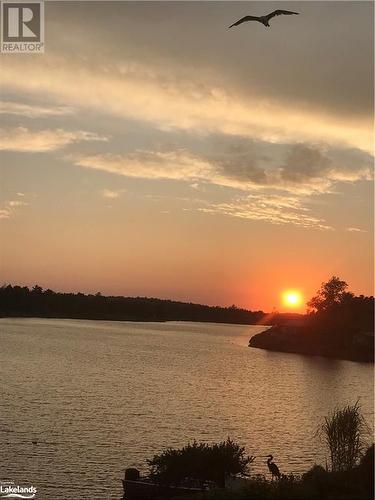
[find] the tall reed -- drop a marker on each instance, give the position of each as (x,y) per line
(344,432)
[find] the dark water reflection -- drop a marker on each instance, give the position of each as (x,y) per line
(100,396)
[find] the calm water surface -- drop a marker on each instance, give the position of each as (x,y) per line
(99,396)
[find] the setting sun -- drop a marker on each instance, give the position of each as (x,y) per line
(292,298)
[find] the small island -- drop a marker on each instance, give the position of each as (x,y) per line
(338,325)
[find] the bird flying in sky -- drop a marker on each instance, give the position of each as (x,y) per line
(264,19)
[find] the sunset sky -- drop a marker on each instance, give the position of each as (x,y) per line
(151,151)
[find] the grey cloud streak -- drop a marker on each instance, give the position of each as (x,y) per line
(306,163)
(306,169)
(325,61)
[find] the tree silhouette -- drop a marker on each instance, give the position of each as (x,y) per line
(330,294)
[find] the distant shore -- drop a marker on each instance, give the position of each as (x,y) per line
(127,320)
(17,301)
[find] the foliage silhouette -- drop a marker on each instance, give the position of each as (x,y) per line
(201,462)
(344,432)
(329,295)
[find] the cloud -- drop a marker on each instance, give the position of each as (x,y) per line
(309,164)
(238,161)
(9,207)
(16,203)
(305,163)
(273,193)
(173,165)
(306,169)
(174,100)
(308,61)
(4,213)
(25,140)
(32,110)
(276,209)
(355,230)
(111,194)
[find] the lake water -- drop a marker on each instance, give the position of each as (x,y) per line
(99,396)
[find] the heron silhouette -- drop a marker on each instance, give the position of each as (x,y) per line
(273,468)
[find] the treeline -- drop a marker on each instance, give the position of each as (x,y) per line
(17,301)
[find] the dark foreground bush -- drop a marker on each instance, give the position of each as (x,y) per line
(365,472)
(200,462)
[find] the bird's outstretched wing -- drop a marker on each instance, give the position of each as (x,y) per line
(280,13)
(244,19)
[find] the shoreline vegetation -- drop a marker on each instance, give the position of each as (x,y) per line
(223,470)
(338,324)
